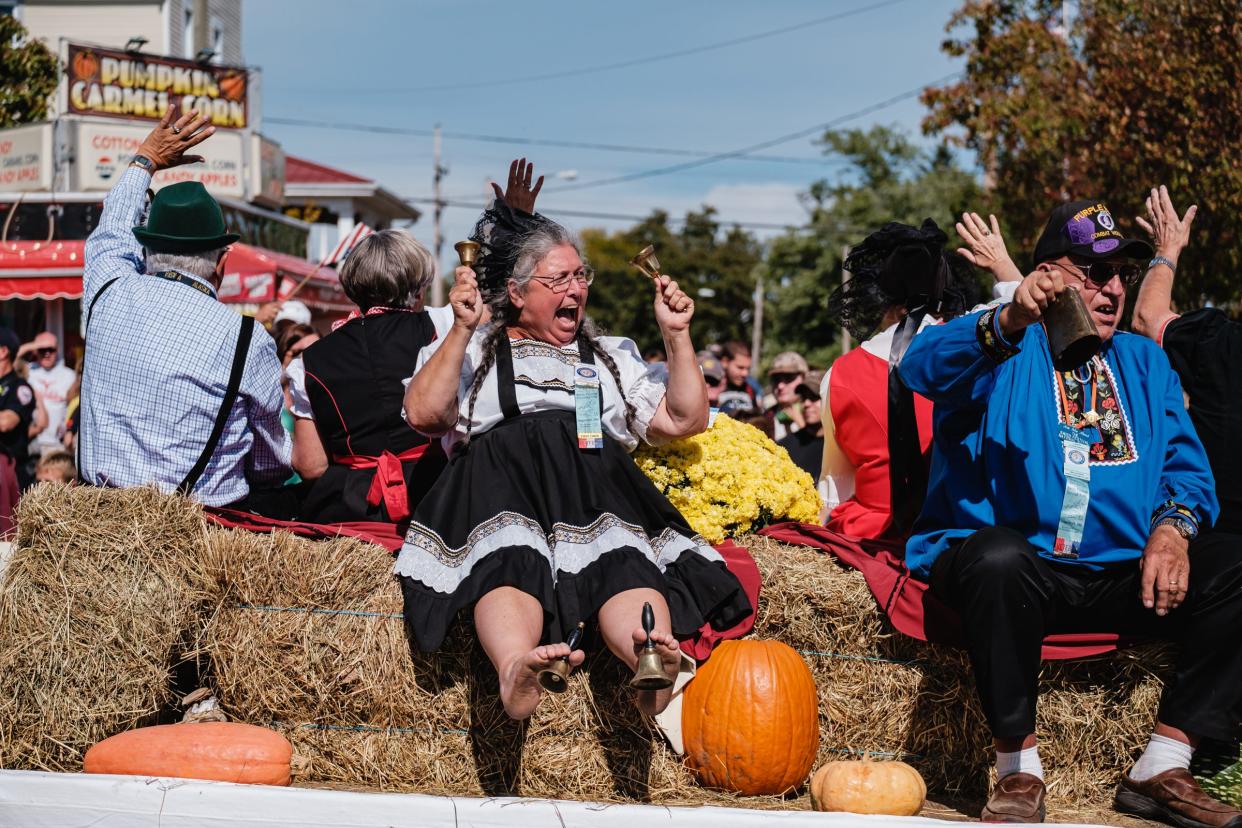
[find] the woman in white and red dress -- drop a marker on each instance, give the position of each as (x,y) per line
(901,281)
(542,519)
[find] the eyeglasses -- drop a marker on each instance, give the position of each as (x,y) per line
(43,352)
(778,379)
(712,381)
(559,282)
(1101,273)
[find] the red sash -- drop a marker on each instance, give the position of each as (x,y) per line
(388,485)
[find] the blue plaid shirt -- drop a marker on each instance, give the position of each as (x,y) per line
(157,366)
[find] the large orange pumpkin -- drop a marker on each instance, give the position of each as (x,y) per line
(868,788)
(750,719)
(85,65)
(220,751)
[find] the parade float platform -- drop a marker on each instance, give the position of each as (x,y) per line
(113,603)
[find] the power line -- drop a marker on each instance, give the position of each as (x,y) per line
(753,225)
(792,136)
(543,142)
(622,64)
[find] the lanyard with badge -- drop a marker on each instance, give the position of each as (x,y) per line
(1075,450)
(587,406)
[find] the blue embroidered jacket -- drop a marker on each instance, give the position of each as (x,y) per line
(998,460)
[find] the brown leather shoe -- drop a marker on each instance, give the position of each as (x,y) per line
(1018,797)
(1176,798)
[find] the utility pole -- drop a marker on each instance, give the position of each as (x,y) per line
(437,243)
(756,336)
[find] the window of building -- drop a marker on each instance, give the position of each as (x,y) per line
(217,40)
(187,32)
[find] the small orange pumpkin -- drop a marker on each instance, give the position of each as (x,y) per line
(866,787)
(85,65)
(750,719)
(219,751)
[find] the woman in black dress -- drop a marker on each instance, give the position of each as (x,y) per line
(541,518)
(349,436)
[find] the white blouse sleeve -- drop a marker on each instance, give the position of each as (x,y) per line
(300,406)
(441,320)
(473,352)
(645,384)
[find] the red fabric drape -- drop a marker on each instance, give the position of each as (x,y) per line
(909,605)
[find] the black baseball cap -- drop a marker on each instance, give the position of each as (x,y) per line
(1086,229)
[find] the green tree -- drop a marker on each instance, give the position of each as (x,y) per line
(889,178)
(28,75)
(715,266)
(1128,95)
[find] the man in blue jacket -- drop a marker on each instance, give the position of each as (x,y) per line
(1070,501)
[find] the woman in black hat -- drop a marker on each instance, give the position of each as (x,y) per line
(541,519)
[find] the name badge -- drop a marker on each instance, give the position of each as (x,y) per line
(586,406)
(1077,459)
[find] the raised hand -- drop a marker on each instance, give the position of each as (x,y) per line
(1169,233)
(985,247)
(466,300)
(519,194)
(673,308)
(167,144)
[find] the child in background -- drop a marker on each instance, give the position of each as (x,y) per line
(56,466)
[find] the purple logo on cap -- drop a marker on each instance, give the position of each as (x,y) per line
(1105,245)
(1080,230)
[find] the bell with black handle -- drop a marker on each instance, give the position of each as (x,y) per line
(555,677)
(650,674)
(1073,337)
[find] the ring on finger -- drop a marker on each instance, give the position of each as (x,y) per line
(176,129)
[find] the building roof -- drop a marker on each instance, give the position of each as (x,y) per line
(302,171)
(308,180)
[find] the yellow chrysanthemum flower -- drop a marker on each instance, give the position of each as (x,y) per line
(730,480)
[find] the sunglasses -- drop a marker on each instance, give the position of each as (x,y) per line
(777,379)
(1101,273)
(712,381)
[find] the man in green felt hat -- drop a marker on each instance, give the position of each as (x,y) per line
(177,389)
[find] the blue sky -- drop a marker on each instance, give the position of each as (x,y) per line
(368,61)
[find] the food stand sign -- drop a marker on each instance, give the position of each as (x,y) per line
(103,151)
(26,158)
(118,84)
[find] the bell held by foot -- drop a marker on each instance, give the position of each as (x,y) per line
(555,677)
(650,674)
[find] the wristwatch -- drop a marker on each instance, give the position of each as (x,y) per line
(1184,527)
(1161,260)
(144,162)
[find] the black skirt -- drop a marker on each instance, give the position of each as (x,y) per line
(340,495)
(524,507)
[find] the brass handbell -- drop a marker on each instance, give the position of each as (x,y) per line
(647,262)
(555,679)
(650,674)
(467,252)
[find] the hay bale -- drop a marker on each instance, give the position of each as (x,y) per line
(96,600)
(307,637)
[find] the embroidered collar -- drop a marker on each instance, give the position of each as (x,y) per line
(375,310)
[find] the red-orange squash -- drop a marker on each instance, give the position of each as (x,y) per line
(868,788)
(219,751)
(85,65)
(750,719)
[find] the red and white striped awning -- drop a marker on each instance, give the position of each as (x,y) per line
(252,275)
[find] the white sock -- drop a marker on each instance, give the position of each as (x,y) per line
(1162,754)
(1020,761)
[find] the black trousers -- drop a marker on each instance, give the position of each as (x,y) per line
(1009,598)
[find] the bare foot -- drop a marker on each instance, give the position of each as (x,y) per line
(519,681)
(652,702)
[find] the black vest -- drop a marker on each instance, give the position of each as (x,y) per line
(354,382)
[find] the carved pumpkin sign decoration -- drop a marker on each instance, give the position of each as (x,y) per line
(750,719)
(866,787)
(233,86)
(85,65)
(218,751)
